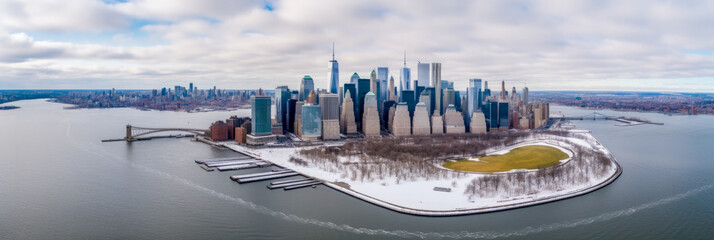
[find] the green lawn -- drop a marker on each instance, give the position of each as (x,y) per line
(528,157)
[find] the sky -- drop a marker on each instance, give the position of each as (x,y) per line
(632,45)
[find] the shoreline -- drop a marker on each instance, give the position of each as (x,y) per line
(345,188)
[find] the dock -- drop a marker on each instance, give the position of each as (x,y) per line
(243,166)
(267,177)
(227,163)
(310,184)
(282,185)
(221,159)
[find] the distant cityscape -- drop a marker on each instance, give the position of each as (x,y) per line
(379,105)
(671,103)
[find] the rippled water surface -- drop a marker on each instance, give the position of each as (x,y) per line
(58,181)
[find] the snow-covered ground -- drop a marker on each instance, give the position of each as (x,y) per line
(417,196)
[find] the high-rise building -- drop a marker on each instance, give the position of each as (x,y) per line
(525,95)
(478,122)
(352,89)
(329,105)
(311,122)
(405,76)
(333,75)
(282,95)
(363,87)
(474,96)
(401,123)
(260,125)
(306,85)
(421,124)
(410,100)
(453,121)
(383,77)
(436,83)
(370,117)
(347,117)
(503,91)
(390,91)
(503,116)
(354,79)
(260,115)
(424,79)
(190,87)
(291,115)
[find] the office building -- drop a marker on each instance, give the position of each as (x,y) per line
(410,100)
(401,122)
(478,122)
(503,116)
(354,79)
(383,77)
(329,105)
(436,83)
(370,117)
(306,85)
(423,77)
(311,122)
(474,95)
(347,117)
(261,126)
(282,95)
(453,120)
(219,131)
(363,87)
(421,123)
(333,74)
(525,95)
(437,124)
(405,76)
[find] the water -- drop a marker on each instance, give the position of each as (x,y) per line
(58,181)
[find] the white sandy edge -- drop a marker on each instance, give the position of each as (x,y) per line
(418,197)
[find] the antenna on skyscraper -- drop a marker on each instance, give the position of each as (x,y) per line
(333,51)
(405,58)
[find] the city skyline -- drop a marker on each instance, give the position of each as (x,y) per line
(589,46)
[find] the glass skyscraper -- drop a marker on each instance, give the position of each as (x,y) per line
(260,114)
(306,86)
(333,75)
(423,79)
(474,96)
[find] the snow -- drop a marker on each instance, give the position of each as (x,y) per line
(417,196)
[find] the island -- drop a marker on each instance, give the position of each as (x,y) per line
(447,175)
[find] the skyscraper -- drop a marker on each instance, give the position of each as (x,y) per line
(390,92)
(329,106)
(525,95)
(333,75)
(306,85)
(354,79)
(282,95)
(474,95)
(404,76)
(260,124)
(362,90)
(347,117)
(436,83)
(423,79)
(503,90)
(383,77)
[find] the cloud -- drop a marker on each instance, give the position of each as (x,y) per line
(549,45)
(59,16)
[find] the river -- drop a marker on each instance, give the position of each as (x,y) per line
(59,181)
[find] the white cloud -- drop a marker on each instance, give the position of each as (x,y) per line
(239,44)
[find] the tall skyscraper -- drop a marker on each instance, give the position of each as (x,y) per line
(354,79)
(363,87)
(404,76)
(474,96)
(423,79)
(436,83)
(190,87)
(383,77)
(525,95)
(390,91)
(282,95)
(329,107)
(306,85)
(503,90)
(333,75)
(260,115)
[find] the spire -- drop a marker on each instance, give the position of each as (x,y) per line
(333,51)
(405,58)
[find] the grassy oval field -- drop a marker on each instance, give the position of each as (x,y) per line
(526,157)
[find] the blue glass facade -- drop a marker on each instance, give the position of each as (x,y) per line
(333,76)
(260,114)
(363,86)
(311,121)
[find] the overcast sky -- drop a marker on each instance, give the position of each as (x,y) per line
(548,45)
